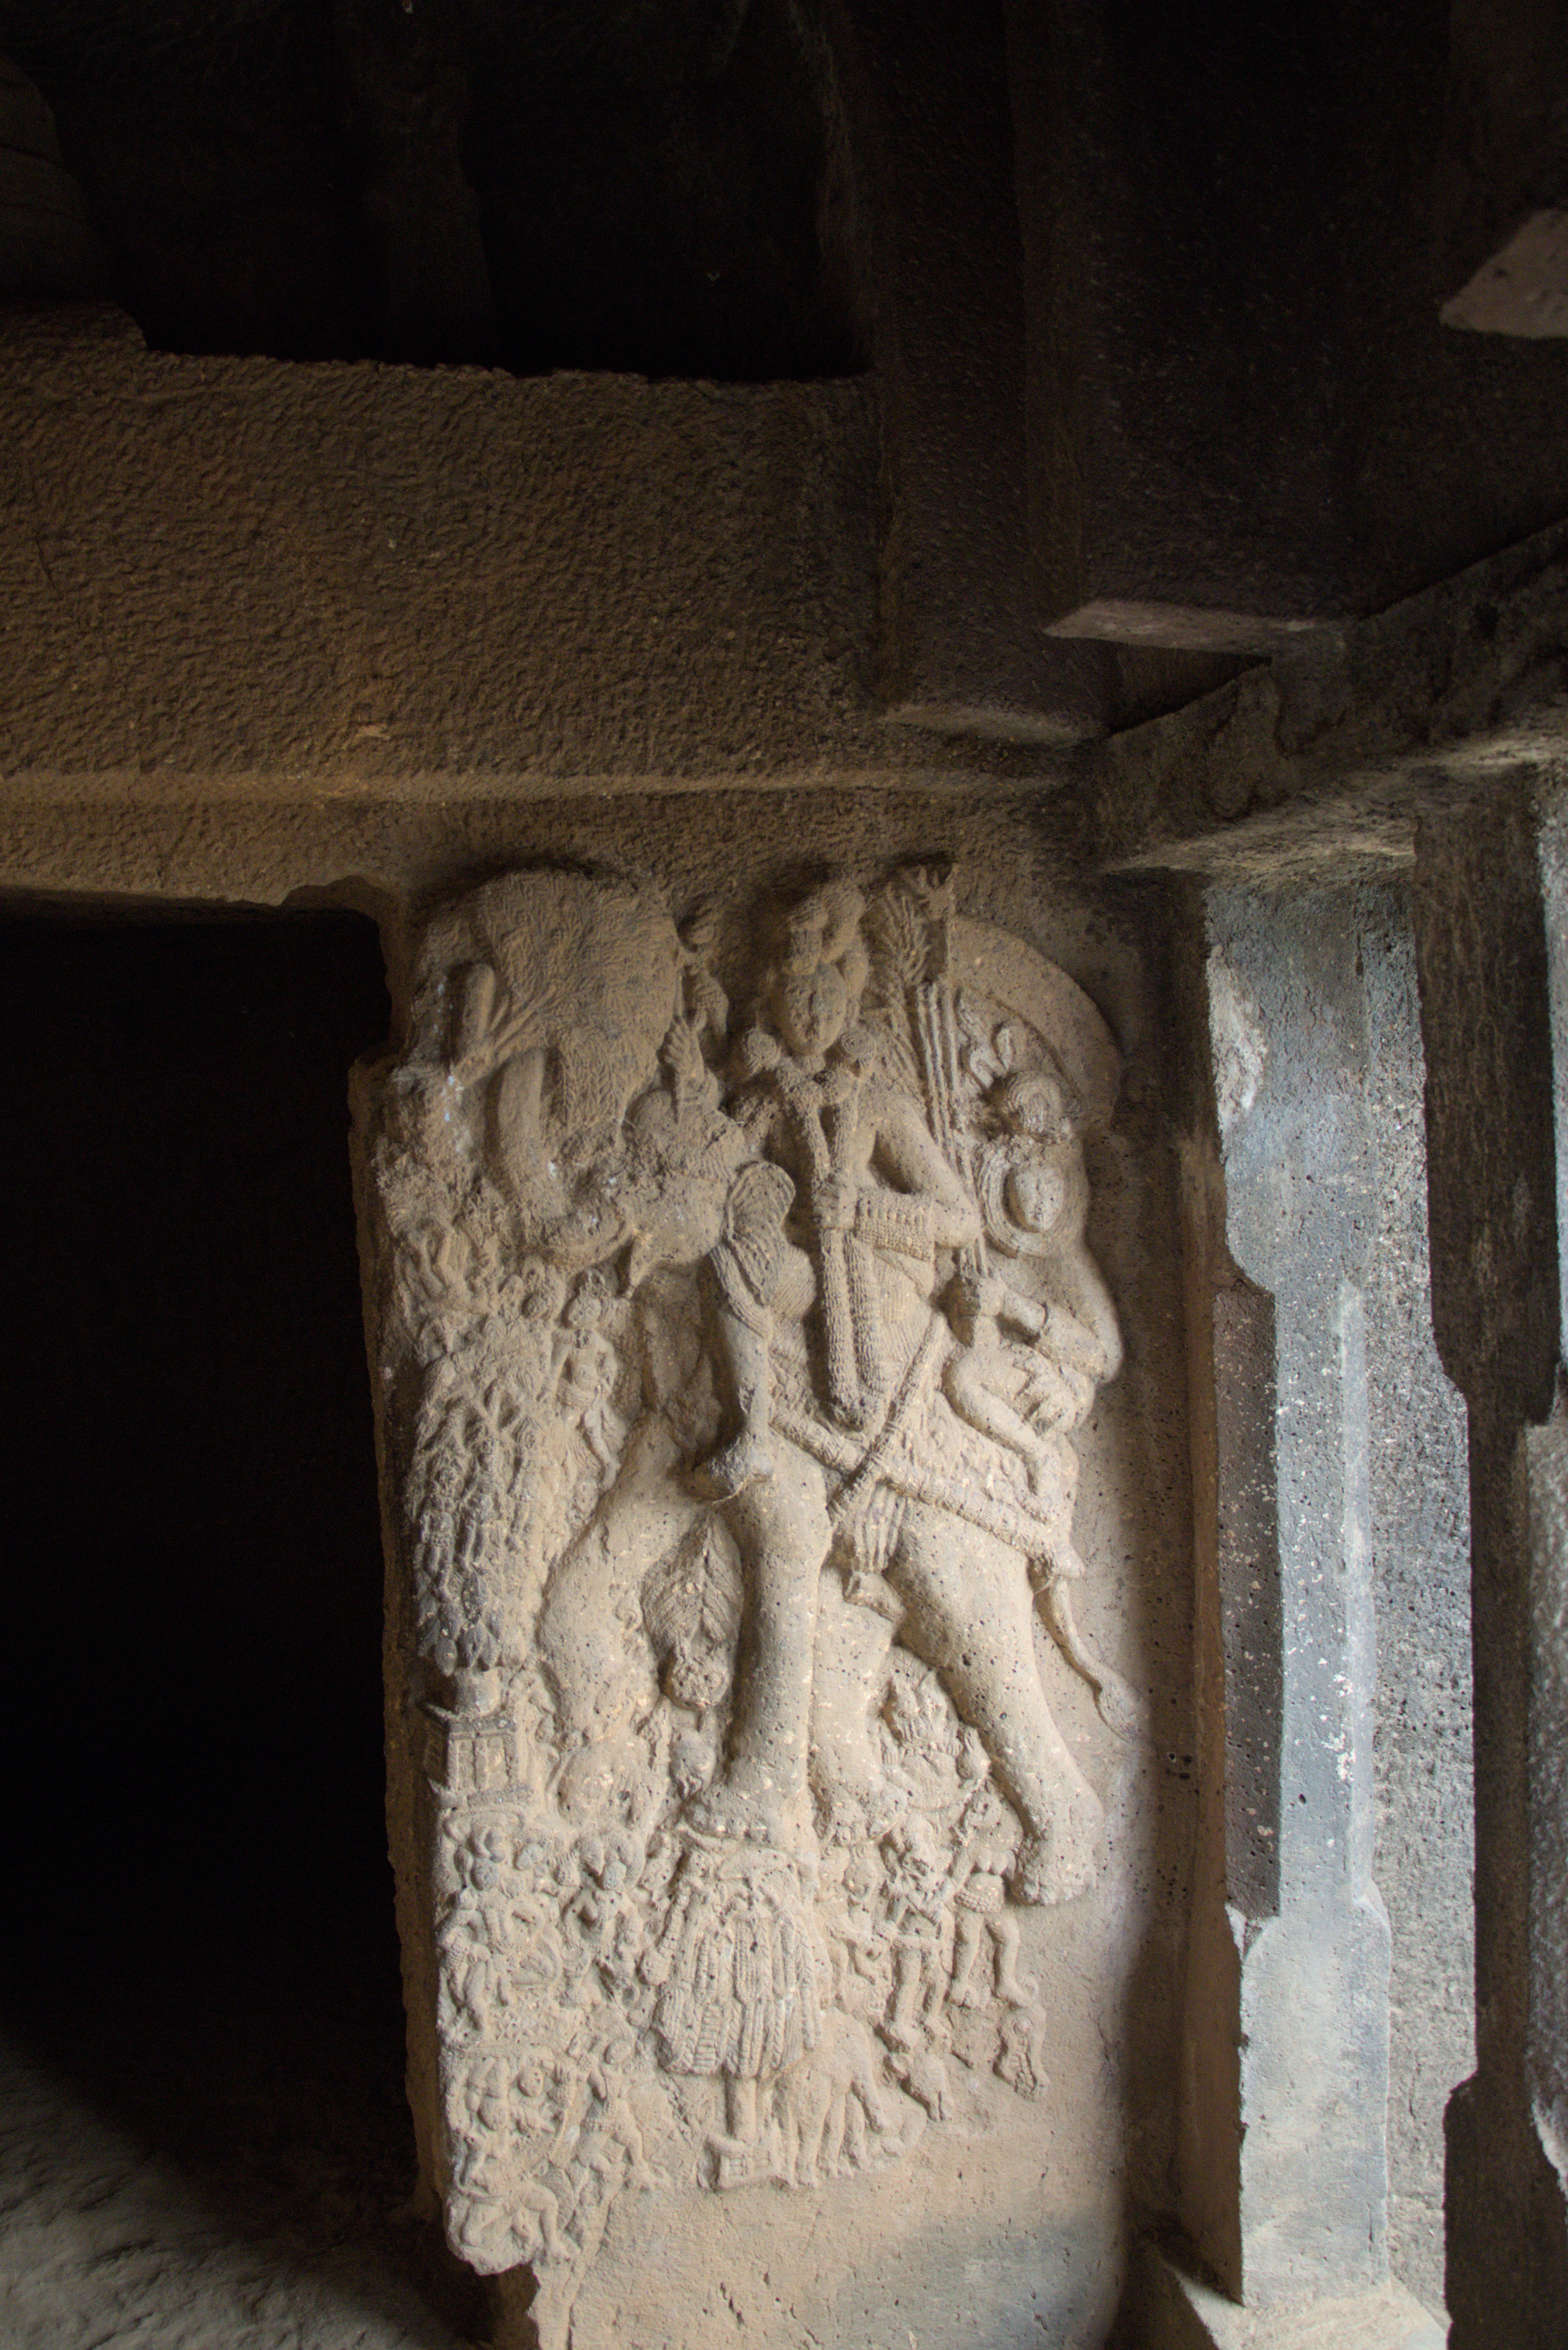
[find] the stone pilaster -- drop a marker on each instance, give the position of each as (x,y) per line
(1293,1611)
(1489,934)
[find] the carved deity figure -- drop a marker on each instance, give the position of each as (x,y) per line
(730,1390)
(852,1320)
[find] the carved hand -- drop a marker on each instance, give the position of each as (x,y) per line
(832,1202)
(980,1295)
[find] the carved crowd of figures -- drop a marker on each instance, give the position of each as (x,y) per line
(732,1366)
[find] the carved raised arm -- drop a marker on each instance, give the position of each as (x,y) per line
(1079,1295)
(927,1205)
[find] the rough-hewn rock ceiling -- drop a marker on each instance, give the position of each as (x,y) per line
(603,185)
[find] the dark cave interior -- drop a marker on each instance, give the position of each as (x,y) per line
(604,185)
(201,1938)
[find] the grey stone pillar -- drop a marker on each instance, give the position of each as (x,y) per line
(1287,2194)
(1491,937)
(1329,1525)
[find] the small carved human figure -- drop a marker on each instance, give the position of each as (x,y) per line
(474,1940)
(607,1908)
(980,1907)
(1020,2059)
(586,1369)
(735,1975)
(613,2143)
(1035,1193)
(848,1896)
(502,2201)
(918,1891)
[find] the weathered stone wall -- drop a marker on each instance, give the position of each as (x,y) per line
(229,567)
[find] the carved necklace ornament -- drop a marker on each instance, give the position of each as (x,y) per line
(730,1387)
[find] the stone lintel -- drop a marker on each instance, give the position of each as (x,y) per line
(386,857)
(1328,755)
(251,578)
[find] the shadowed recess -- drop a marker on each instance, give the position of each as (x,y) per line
(192,1700)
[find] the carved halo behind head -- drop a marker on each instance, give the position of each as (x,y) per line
(989,966)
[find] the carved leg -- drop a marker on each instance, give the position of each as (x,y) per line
(741,2109)
(971,1619)
(735,2156)
(781,1529)
(861,2070)
(745,1458)
(1010,1988)
(933,2016)
(832,2130)
(810,2104)
(911,1975)
(852,1645)
(539,2202)
(968,1935)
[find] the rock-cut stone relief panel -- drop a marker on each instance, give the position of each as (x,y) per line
(730,1367)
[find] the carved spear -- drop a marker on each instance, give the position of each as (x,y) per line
(848,1293)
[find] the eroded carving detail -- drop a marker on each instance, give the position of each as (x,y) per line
(729,1375)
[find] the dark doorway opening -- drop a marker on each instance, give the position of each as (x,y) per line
(200,1949)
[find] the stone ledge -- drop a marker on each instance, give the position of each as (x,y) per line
(1327,754)
(1171,2310)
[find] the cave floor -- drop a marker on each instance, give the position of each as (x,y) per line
(217,2172)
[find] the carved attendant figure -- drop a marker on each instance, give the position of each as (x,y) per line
(1036,1196)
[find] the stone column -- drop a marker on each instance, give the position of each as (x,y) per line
(1287,1022)
(1490,934)
(1304,1004)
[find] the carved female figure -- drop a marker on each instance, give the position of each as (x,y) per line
(1034,1194)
